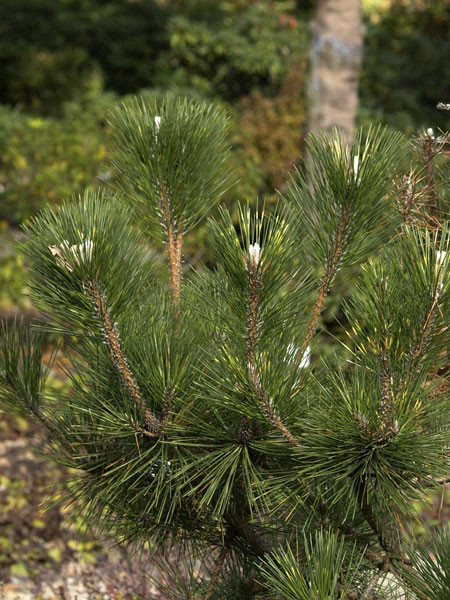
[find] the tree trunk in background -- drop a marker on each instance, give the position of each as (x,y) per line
(335,61)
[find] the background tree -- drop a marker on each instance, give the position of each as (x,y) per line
(335,57)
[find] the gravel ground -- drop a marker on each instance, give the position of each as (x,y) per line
(43,556)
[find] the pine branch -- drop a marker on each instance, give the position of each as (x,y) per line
(388,540)
(406,199)
(217,570)
(33,407)
(389,429)
(427,156)
(174,242)
(174,247)
(255,270)
(273,416)
(168,397)
(327,279)
(117,357)
(22,375)
(425,330)
(239,526)
(384,568)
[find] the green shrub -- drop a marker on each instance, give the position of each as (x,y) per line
(43,160)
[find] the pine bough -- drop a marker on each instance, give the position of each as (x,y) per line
(196,418)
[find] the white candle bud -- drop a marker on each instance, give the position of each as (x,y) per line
(291,354)
(306,359)
(81,253)
(254,253)
(440,257)
(355,177)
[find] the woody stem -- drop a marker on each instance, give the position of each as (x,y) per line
(174,249)
(325,283)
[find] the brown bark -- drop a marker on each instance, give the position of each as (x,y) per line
(335,61)
(174,248)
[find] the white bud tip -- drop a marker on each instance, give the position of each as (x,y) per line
(440,257)
(157,123)
(355,164)
(81,253)
(306,359)
(254,253)
(430,132)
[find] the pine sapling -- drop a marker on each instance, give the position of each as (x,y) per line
(201,416)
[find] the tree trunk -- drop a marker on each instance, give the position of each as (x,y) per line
(335,61)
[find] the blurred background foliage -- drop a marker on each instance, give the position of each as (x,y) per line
(404,68)
(65,63)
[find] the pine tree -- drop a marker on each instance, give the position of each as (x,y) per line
(196,417)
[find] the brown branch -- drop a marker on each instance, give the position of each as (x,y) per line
(389,429)
(384,568)
(217,570)
(174,242)
(388,540)
(117,357)
(168,397)
(239,526)
(407,197)
(427,155)
(255,273)
(425,331)
(275,418)
(327,278)
(431,188)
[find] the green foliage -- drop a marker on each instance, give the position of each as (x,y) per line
(195,413)
(233,47)
(52,50)
(269,131)
(430,578)
(12,272)
(57,55)
(325,559)
(45,160)
(171,158)
(405,72)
